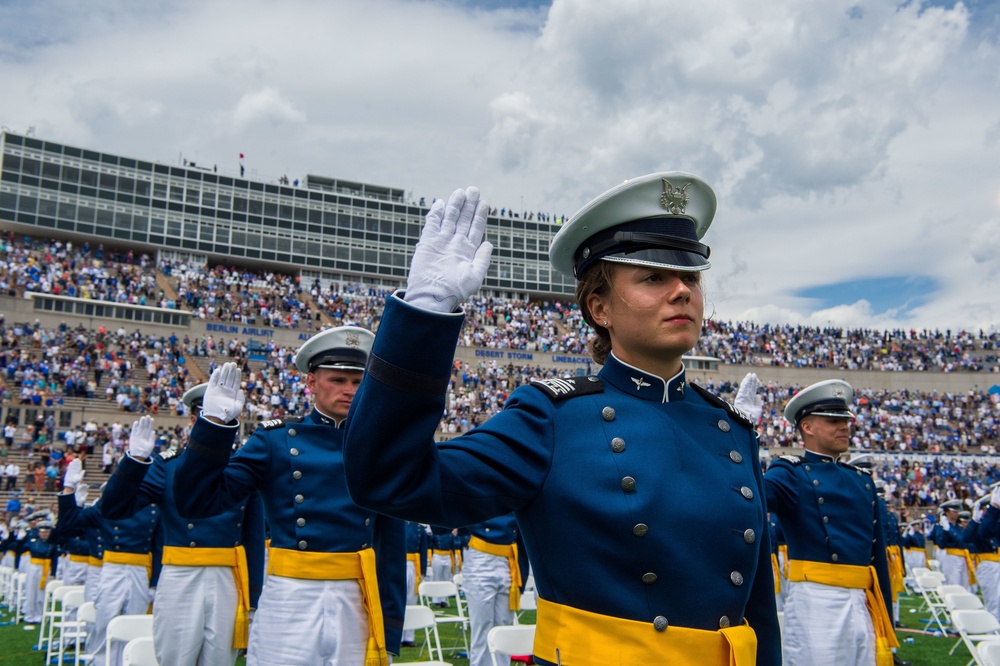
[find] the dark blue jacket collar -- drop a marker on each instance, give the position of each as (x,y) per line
(629,379)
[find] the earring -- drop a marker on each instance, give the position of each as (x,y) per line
(605,323)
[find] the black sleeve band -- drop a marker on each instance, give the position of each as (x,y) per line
(404,380)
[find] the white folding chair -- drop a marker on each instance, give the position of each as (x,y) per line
(429,589)
(928,585)
(125,628)
(963,600)
(417,617)
(989,652)
(140,652)
(65,599)
(511,640)
(75,632)
(20,580)
(48,607)
(975,626)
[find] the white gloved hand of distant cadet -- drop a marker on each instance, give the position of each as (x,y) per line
(945,523)
(747,400)
(81,495)
(141,439)
(74,474)
(450,261)
(977,513)
(995,497)
(224,399)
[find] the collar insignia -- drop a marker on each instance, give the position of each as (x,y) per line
(640,383)
(680,387)
(674,199)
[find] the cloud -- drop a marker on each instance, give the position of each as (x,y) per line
(265,106)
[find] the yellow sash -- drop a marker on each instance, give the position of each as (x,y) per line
(415,558)
(510,552)
(449,553)
(964,552)
(858,578)
(45,565)
(233,558)
(79,559)
(131,559)
(95,562)
(777,573)
(583,638)
(896,571)
(783,551)
(988,557)
(340,566)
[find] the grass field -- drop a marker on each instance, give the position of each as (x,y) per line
(16,643)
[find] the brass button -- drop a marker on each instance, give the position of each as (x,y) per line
(291,432)
(618,445)
(190,526)
(294,451)
(660,623)
(737,578)
(303,544)
(298,499)
(301,522)
(193,544)
(826,519)
(834,557)
(296,474)
(736,456)
(628,484)
(649,578)
(868,486)
(640,530)
(608,413)
(723,425)
(809,468)
(746,492)
(815,482)
(820,500)
(724,622)
(749,536)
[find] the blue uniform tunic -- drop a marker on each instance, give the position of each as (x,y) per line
(829,513)
(137,534)
(297,466)
(636,498)
(135,485)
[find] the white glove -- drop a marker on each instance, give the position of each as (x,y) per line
(22,534)
(450,261)
(747,400)
(977,513)
(224,399)
(945,523)
(141,439)
(74,474)
(81,495)
(995,497)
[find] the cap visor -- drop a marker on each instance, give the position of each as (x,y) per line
(677,260)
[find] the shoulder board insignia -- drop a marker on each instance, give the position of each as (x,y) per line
(716,401)
(271,424)
(560,389)
(795,460)
(170,453)
(856,468)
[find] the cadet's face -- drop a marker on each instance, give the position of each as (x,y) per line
(334,389)
(827,434)
(654,315)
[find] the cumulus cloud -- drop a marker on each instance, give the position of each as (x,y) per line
(265,106)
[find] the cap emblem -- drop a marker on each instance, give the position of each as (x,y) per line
(353,340)
(839,392)
(674,199)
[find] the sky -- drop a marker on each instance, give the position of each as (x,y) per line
(854,145)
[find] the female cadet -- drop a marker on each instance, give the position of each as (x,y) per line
(638,496)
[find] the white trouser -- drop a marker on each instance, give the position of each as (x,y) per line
(411,594)
(34,599)
(74,573)
(915,559)
(955,569)
(308,623)
(93,583)
(486,583)
(988,575)
(440,570)
(124,590)
(193,616)
(827,625)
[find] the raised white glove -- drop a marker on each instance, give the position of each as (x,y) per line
(141,439)
(81,495)
(224,399)
(74,474)
(747,400)
(22,534)
(995,497)
(977,513)
(450,261)
(945,523)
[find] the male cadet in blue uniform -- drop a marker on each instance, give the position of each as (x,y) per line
(985,528)
(836,610)
(43,554)
(443,546)
(336,572)
(914,545)
(131,562)
(213,568)
(956,563)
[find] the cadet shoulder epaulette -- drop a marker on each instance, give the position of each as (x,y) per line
(795,460)
(278,423)
(722,404)
(571,387)
(170,453)
(856,468)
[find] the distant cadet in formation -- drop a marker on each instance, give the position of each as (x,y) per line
(610,477)
(987,529)
(956,563)
(837,607)
(336,585)
(914,545)
(132,549)
(42,556)
(213,568)
(417,549)
(444,562)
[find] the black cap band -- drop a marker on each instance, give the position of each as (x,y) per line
(345,357)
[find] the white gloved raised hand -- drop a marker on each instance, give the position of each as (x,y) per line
(74,474)
(450,261)
(141,439)
(995,497)
(747,400)
(977,513)
(81,495)
(224,399)
(945,523)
